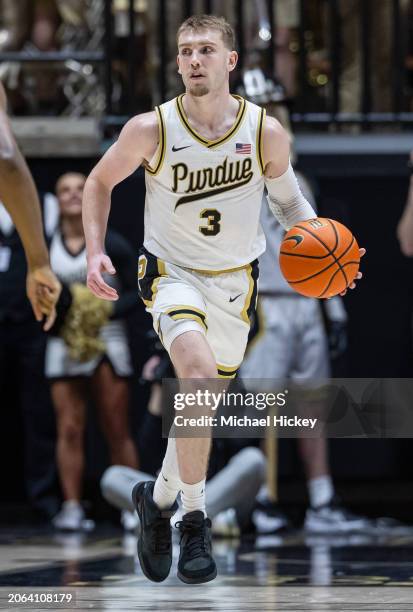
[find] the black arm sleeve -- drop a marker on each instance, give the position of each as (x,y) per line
(125,262)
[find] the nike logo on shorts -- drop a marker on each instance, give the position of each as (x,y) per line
(235,298)
(175,149)
(165,479)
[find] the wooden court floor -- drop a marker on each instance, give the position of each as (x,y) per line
(42,570)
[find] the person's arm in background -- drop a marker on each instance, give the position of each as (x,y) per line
(405,225)
(19,196)
(124,259)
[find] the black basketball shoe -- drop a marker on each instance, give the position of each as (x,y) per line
(195,564)
(154,538)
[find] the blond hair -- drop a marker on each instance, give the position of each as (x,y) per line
(210,22)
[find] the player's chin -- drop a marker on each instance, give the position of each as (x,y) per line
(198,90)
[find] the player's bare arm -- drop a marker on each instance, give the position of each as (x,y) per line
(285,198)
(19,196)
(405,225)
(136,145)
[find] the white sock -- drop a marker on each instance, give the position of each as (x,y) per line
(320,490)
(168,483)
(73,507)
(193,497)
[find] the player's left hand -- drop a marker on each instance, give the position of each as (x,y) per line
(359,275)
(43,290)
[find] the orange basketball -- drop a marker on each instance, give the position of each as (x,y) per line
(319,258)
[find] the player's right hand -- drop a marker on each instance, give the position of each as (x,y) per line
(43,290)
(359,274)
(96,266)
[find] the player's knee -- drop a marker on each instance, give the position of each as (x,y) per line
(113,417)
(253,459)
(199,370)
(72,433)
(110,476)
(116,433)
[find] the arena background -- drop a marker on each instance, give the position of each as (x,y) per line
(359,162)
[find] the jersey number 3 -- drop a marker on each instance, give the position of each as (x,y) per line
(214,218)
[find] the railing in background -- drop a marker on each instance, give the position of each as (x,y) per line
(315,104)
(333,113)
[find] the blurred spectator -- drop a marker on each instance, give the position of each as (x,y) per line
(21,337)
(88,348)
(22,347)
(291,343)
(54,88)
(14,24)
(133,86)
(33,88)
(41,82)
(287,19)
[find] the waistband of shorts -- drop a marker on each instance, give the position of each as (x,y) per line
(217,272)
(144,250)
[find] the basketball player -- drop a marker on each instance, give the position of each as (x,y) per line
(106,373)
(18,194)
(207,155)
(291,342)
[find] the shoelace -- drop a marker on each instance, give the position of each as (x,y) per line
(196,544)
(161,535)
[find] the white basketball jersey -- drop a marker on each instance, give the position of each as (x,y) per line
(203,198)
(72,267)
(69,268)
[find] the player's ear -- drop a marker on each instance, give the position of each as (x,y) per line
(232,60)
(179,67)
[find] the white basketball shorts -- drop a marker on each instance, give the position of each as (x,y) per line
(218,304)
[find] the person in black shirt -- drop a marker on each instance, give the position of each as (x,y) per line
(18,194)
(24,273)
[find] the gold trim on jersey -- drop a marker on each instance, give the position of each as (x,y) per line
(154,288)
(215,272)
(142,264)
(227,371)
(244,312)
(262,323)
(160,332)
(259,146)
(187,312)
(212,143)
(162,144)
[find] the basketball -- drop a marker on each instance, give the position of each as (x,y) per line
(319,258)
